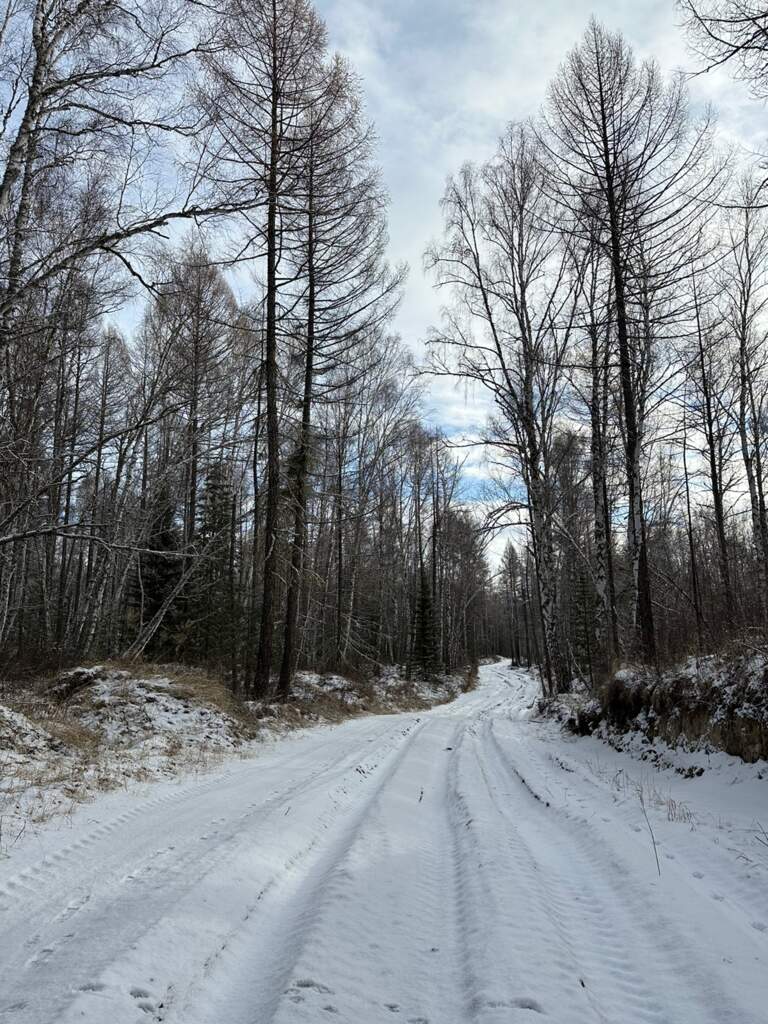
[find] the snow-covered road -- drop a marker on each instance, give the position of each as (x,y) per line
(462,865)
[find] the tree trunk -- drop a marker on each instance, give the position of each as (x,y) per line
(264,660)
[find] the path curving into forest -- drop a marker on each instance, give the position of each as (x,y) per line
(461,865)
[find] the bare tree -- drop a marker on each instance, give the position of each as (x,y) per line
(346,289)
(259,101)
(503,259)
(94,109)
(634,172)
(733,33)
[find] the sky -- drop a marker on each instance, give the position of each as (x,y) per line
(442,78)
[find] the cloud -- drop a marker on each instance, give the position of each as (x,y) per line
(458,406)
(443,78)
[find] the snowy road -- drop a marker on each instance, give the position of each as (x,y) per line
(463,865)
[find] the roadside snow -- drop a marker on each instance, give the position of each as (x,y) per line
(465,864)
(101,728)
(710,703)
(148,718)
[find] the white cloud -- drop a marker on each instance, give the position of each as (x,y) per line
(442,79)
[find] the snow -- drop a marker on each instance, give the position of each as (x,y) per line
(144,716)
(715,702)
(97,729)
(102,727)
(464,864)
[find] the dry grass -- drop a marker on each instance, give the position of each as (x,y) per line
(471,677)
(360,697)
(68,731)
(645,790)
(309,709)
(60,761)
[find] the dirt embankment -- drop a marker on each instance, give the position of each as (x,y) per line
(722,703)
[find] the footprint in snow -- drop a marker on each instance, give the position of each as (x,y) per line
(316,985)
(72,908)
(143,1000)
(527,1004)
(295,992)
(697,874)
(41,956)
(760,926)
(516,1004)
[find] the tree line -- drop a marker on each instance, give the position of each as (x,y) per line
(212,446)
(607,278)
(211,441)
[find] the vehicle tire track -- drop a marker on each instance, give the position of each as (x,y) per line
(144,888)
(608,917)
(258,962)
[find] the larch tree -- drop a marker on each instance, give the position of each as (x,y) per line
(259,97)
(346,290)
(633,170)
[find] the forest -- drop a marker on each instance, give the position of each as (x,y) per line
(213,444)
(383,512)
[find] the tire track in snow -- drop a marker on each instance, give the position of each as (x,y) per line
(499,918)
(593,949)
(621,928)
(561,912)
(382,946)
(255,963)
(45,875)
(129,897)
(391,869)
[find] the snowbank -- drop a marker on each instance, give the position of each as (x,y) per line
(103,727)
(100,728)
(707,703)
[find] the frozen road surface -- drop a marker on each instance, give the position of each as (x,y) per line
(463,865)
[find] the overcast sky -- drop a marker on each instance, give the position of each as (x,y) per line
(443,77)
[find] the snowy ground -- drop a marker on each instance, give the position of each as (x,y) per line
(101,728)
(464,864)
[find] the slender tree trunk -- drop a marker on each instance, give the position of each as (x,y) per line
(301,464)
(695,591)
(271,524)
(646,637)
(714,474)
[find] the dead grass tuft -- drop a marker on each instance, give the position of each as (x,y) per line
(72,734)
(471,677)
